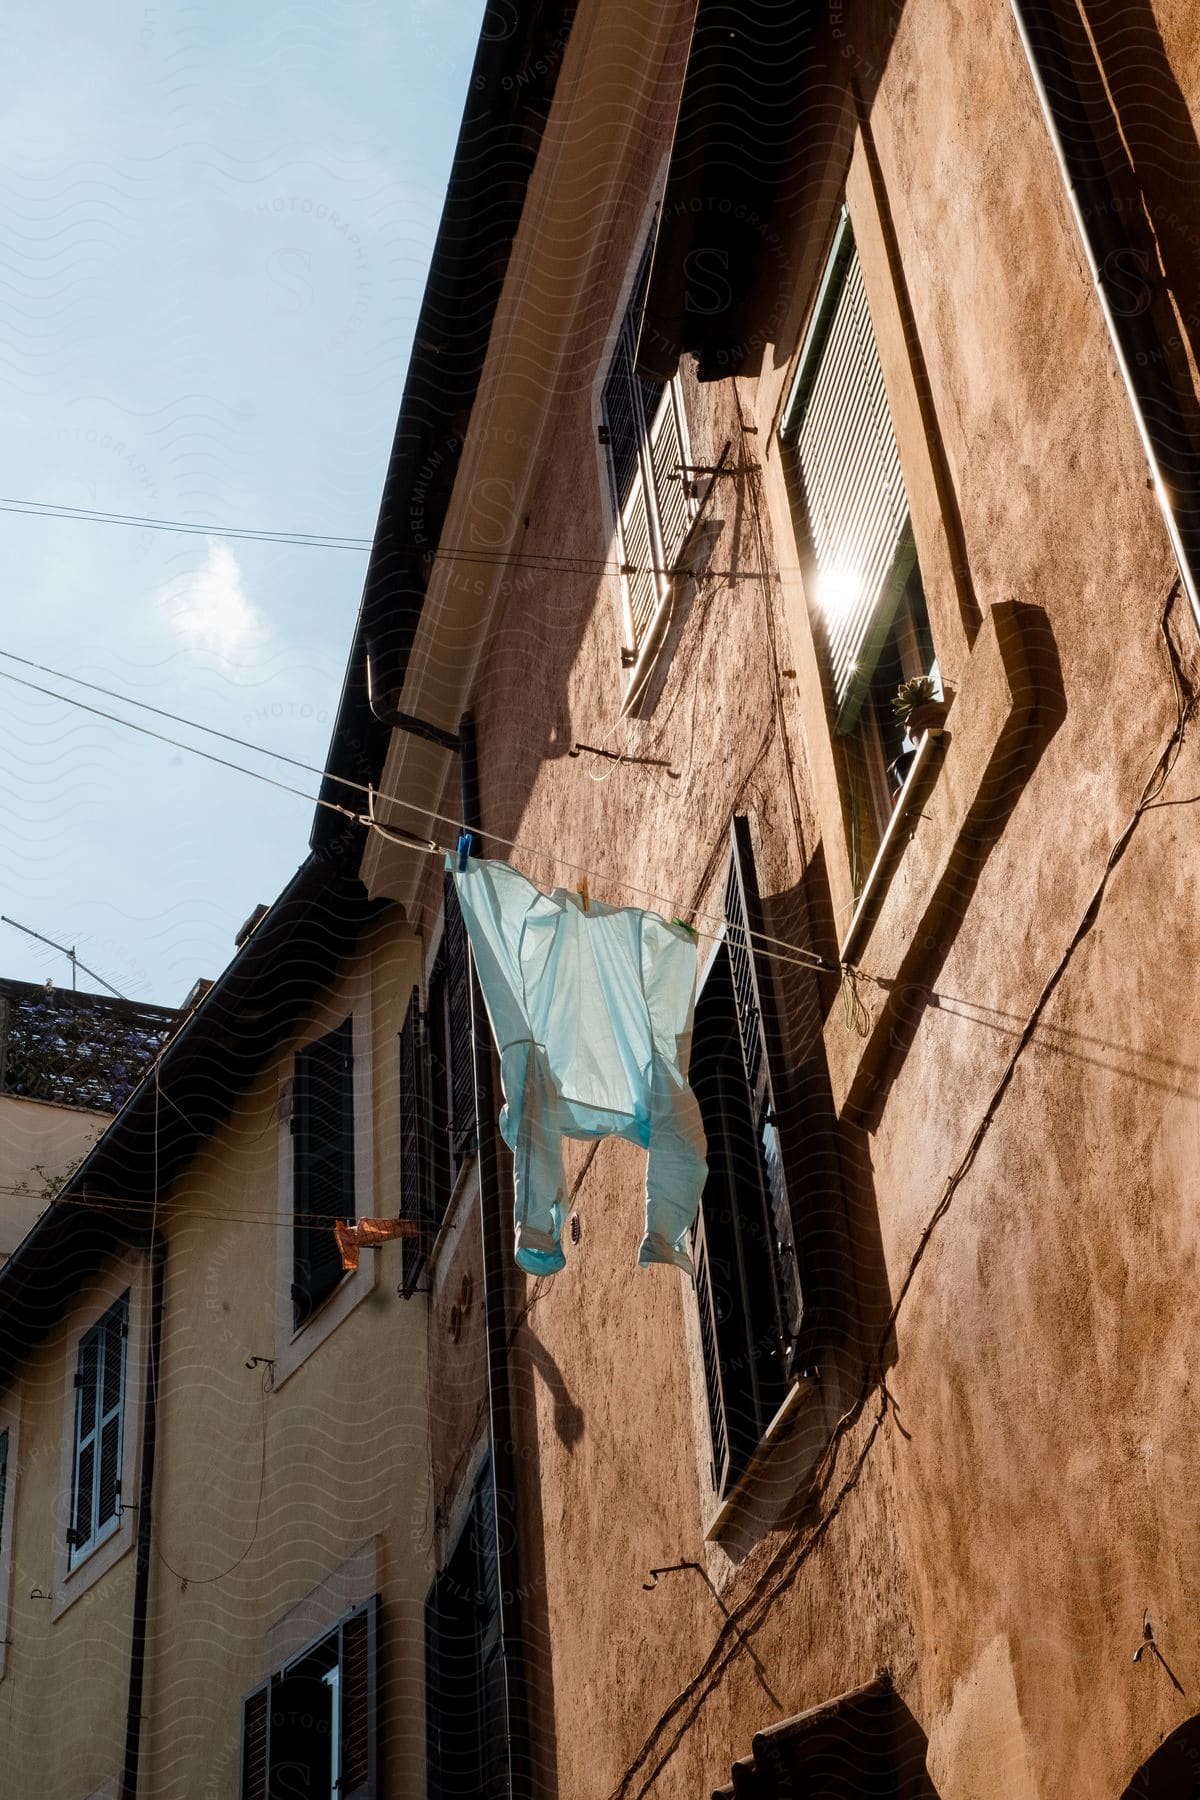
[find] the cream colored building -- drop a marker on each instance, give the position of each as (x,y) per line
(214,1520)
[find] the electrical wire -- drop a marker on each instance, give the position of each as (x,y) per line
(779,949)
(750,1613)
(49,509)
(316,540)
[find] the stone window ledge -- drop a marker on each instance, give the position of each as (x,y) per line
(919,895)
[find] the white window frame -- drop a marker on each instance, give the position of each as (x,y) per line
(100,1530)
(76,1572)
(293,1346)
(617,509)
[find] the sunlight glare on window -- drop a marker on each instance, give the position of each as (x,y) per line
(839,591)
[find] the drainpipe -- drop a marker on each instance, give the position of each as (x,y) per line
(495,1312)
(494,1257)
(1137,346)
(141,1583)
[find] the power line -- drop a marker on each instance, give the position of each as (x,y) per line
(39,509)
(795,955)
(476,556)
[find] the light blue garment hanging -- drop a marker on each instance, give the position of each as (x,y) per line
(592,1015)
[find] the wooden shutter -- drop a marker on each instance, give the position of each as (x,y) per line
(110,1429)
(670,484)
(256,1743)
(434,1708)
(414,1141)
(467,1730)
(99,1410)
(322,1164)
(3,1490)
(839,428)
(458,1011)
(735,1290)
(710,1349)
(645,447)
(758,1028)
(493,1688)
(358,1662)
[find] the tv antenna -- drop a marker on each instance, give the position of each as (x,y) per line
(76,965)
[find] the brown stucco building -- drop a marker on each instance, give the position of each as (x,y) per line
(799,387)
(775,365)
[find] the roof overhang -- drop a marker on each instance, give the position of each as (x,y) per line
(737,144)
(293,952)
(508,99)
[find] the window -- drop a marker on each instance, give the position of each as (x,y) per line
(99,1431)
(312,1729)
(868,605)
(465,1691)
(437,1088)
(644,428)
(745,1250)
(322,1166)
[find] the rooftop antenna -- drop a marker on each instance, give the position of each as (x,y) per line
(70,953)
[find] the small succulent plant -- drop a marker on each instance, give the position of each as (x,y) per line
(911,694)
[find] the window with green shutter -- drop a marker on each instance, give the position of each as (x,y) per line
(99,1432)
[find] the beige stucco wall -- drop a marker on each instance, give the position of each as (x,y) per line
(246,1525)
(39,1144)
(1031,1494)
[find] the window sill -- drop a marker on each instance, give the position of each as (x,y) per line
(294,1351)
(645,677)
(92,1565)
(738,1492)
(916,902)
(876,883)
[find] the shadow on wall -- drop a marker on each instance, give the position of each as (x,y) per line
(1173,1772)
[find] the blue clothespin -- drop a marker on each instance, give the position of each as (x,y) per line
(464,850)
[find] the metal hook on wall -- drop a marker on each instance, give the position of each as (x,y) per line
(668,1569)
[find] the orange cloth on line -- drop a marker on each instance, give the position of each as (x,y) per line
(369,1232)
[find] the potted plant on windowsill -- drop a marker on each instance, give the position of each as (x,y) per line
(918,707)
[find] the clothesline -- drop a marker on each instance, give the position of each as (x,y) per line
(796,955)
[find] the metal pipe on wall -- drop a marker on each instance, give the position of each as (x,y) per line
(141,1581)
(1165,434)
(495,1311)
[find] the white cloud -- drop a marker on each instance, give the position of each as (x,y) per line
(208,609)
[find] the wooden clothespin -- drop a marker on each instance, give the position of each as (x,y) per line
(584,895)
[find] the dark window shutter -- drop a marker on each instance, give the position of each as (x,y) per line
(3,1488)
(758,1026)
(256,1742)
(322,1164)
(435,1698)
(465,1688)
(710,1348)
(458,1008)
(358,1658)
(300,1760)
(493,1697)
(415,1202)
(731,1242)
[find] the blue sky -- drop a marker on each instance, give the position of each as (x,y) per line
(215,224)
